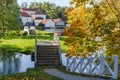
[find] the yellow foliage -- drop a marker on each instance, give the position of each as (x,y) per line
(88,23)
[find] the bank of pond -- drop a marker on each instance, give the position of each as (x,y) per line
(18,66)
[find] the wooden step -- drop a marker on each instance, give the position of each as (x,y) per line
(47,55)
(47,64)
(48,58)
(50,51)
(47,46)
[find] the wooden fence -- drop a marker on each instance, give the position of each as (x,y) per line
(94,66)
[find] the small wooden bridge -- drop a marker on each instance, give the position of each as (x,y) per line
(47,53)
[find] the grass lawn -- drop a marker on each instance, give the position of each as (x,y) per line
(25,44)
(31,74)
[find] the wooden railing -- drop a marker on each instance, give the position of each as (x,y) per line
(94,66)
(35,46)
(56,39)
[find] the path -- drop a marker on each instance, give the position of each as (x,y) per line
(65,76)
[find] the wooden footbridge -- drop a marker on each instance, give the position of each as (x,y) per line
(47,53)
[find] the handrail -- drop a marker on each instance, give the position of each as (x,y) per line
(56,39)
(35,45)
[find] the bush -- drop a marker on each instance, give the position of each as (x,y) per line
(44,33)
(13,33)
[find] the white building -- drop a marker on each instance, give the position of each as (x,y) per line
(30,11)
(30,15)
(48,23)
(39,14)
(25,17)
(37,20)
(58,22)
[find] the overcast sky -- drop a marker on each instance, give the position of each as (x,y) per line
(57,2)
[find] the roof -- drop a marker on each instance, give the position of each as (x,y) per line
(56,20)
(24,14)
(45,21)
(39,13)
(39,18)
(30,9)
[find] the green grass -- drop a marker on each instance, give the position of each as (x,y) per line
(31,74)
(26,44)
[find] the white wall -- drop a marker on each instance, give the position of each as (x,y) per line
(37,22)
(50,23)
(60,23)
(26,19)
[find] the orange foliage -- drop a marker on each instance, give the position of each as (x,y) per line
(88,23)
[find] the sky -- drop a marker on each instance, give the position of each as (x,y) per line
(57,2)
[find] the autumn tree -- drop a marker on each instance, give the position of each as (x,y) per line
(66,11)
(93,25)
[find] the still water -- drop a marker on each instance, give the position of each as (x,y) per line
(14,63)
(11,63)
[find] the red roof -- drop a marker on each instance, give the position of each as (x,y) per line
(45,21)
(30,9)
(24,14)
(56,20)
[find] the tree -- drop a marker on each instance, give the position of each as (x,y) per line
(33,5)
(41,25)
(114,5)
(9,21)
(3,4)
(50,9)
(91,28)
(24,5)
(65,13)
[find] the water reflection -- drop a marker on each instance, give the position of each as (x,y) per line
(14,62)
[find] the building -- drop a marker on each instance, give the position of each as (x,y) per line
(31,15)
(48,23)
(25,17)
(34,17)
(58,22)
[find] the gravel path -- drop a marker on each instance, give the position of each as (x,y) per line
(64,76)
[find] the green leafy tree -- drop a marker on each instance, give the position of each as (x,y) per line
(24,5)
(9,17)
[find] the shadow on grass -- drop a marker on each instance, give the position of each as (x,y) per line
(30,74)
(47,37)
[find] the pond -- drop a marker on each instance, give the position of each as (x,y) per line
(16,62)
(11,63)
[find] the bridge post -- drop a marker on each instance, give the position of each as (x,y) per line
(101,65)
(35,46)
(115,67)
